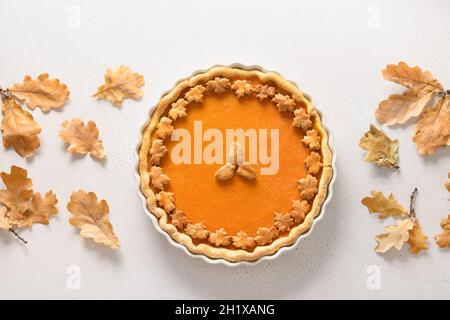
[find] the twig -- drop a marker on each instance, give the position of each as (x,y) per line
(412,204)
(14,232)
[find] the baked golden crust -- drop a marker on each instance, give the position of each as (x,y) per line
(232,255)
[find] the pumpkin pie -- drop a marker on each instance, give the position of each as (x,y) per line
(235,163)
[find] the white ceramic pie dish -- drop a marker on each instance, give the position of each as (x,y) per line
(155,221)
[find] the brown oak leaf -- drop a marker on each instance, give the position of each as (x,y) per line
(417,239)
(41,209)
(381,149)
(92,218)
(18,192)
(20,131)
(386,207)
(399,108)
(433,128)
(411,77)
(120,85)
(443,238)
(5,222)
(82,139)
(43,92)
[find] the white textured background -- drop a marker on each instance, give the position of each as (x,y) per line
(333,50)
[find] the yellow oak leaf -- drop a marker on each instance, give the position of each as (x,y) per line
(20,131)
(433,128)
(386,207)
(92,218)
(443,238)
(417,239)
(82,138)
(411,77)
(399,108)
(18,193)
(119,85)
(381,149)
(394,236)
(41,209)
(43,92)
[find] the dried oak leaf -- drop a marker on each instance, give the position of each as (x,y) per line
(41,209)
(386,207)
(92,218)
(381,149)
(43,92)
(82,138)
(20,131)
(394,236)
(18,192)
(411,77)
(417,239)
(433,128)
(120,85)
(443,238)
(399,108)
(5,223)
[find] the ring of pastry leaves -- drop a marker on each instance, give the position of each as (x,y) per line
(312,188)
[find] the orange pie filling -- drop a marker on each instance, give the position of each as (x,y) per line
(236,162)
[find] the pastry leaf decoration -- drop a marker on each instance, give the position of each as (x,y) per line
(92,218)
(20,206)
(406,229)
(432,129)
(381,150)
(82,139)
(119,85)
(19,129)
